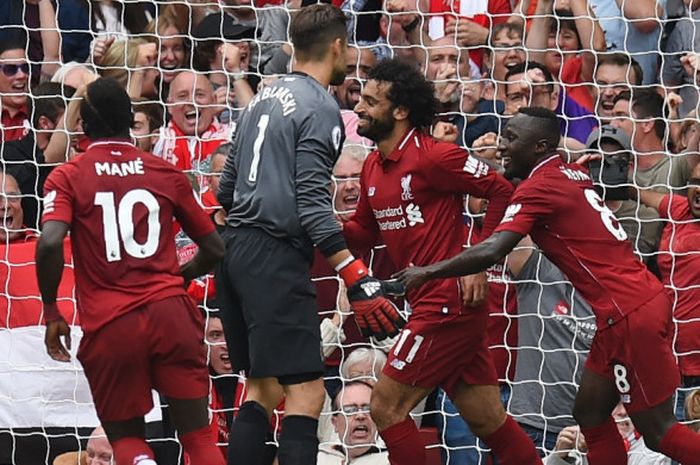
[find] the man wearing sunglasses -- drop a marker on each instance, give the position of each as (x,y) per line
(14,88)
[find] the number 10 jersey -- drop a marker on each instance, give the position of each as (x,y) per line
(120,204)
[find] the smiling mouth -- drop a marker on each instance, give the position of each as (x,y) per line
(191,116)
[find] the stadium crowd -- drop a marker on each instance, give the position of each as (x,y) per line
(621,75)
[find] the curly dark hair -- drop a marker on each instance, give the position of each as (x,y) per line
(409,89)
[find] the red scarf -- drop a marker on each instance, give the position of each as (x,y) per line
(189,152)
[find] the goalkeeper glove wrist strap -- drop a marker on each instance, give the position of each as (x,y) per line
(352,271)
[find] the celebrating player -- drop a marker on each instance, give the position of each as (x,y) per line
(275,188)
(141,330)
(412,192)
(631,357)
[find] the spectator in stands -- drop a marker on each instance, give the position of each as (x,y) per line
(193,132)
(642,114)
(173,47)
(633,28)
(36,21)
(364,364)
(692,410)
(478,116)
(24,158)
(148,121)
(610,145)
(227,61)
(679,265)
(551,316)
(223,383)
(133,64)
(12,227)
(614,74)
(531,84)
(355,428)
(218,159)
(571,445)
(73,73)
(97,452)
(505,51)
(446,65)
(14,86)
(682,46)
(119,18)
(271,24)
(567,43)
(359,62)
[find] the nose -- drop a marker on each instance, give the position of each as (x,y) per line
(167,55)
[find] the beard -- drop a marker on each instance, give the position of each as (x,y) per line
(377,129)
(338,76)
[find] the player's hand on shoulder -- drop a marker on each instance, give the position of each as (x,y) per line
(375,314)
(56,350)
(475,289)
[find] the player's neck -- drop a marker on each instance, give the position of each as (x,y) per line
(388,145)
(316,70)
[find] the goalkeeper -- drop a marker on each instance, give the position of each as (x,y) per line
(412,196)
(275,188)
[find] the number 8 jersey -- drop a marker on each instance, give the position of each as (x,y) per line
(558,207)
(120,204)
(278,174)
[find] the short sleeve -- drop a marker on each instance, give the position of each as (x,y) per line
(530,205)
(452,169)
(188,212)
(58,197)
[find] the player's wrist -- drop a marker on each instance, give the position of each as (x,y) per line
(352,270)
(51,312)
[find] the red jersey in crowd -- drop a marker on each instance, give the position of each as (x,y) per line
(414,200)
(125,263)
(14,127)
(558,207)
(679,264)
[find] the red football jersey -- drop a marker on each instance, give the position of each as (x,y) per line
(414,200)
(558,207)
(679,264)
(120,203)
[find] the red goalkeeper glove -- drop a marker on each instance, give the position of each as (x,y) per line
(375,315)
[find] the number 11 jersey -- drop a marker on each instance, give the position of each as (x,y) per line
(558,207)
(120,204)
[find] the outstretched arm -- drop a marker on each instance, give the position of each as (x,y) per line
(472,260)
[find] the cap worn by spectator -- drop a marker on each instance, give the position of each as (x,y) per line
(610,133)
(221,26)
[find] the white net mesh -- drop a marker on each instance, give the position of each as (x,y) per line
(588,54)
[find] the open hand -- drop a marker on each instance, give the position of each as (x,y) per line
(56,350)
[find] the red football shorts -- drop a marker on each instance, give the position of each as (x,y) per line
(636,354)
(157,346)
(435,349)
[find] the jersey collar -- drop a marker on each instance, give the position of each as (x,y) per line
(110,142)
(395,155)
(542,163)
